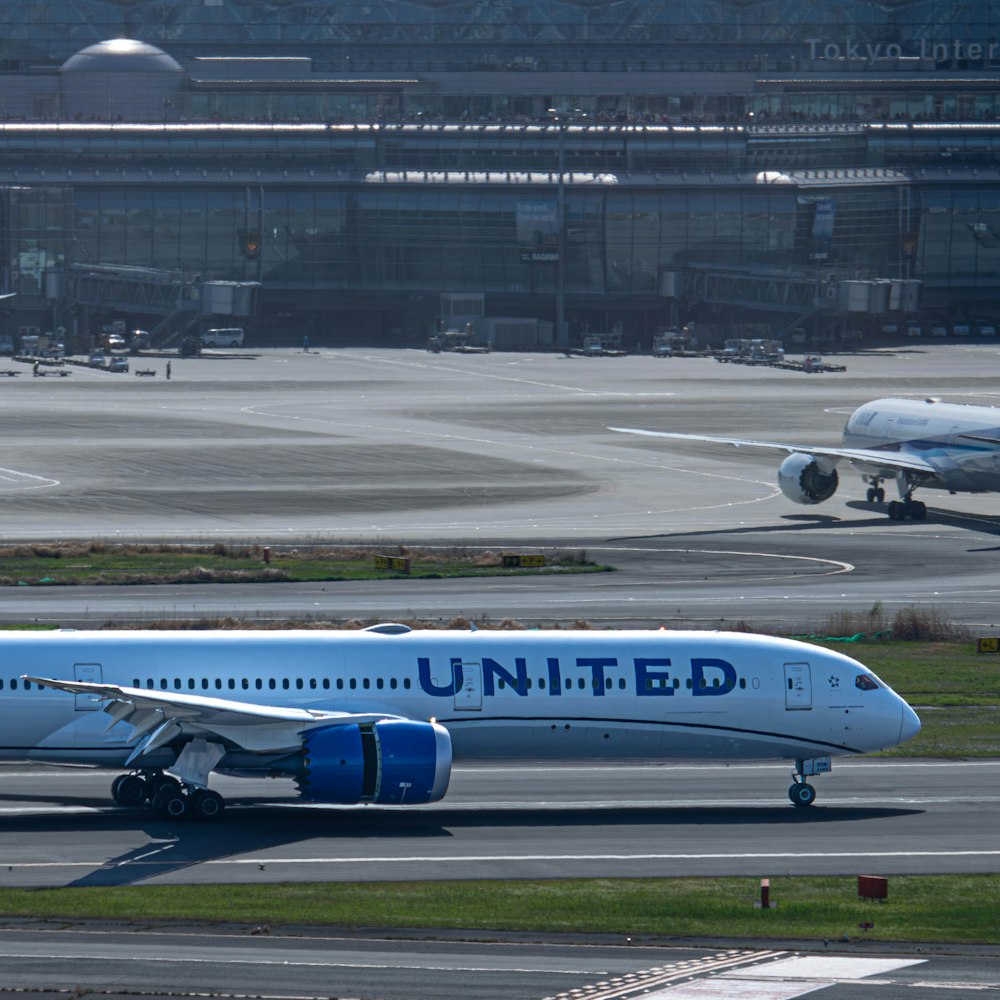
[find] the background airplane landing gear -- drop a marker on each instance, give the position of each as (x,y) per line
(900,510)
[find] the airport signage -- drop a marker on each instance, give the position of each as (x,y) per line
(512,561)
(395,564)
(943,51)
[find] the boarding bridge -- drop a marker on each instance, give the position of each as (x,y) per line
(787,291)
(179,300)
(149,290)
(821,296)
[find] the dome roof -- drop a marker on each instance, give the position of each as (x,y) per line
(121,55)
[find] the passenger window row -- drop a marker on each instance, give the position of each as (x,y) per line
(353,683)
(269,684)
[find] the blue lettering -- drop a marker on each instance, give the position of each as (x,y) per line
(518,683)
(702,688)
(652,682)
(440,690)
(597,665)
(555,678)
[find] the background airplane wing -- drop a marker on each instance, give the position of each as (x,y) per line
(889,461)
(166,715)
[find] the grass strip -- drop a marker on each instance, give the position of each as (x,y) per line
(100,563)
(931,909)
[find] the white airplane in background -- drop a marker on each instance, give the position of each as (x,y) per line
(950,446)
(377,715)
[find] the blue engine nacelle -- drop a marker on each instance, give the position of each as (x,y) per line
(392,762)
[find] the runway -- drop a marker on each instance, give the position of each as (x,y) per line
(493,451)
(211,963)
(893,816)
(389,447)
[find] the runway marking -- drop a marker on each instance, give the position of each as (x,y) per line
(264,859)
(14,477)
(833,967)
(639,983)
(535,383)
(68,953)
(478,442)
(752,977)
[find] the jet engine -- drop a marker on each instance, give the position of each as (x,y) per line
(395,762)
(804,480)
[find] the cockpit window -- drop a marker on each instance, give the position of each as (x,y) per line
(865,683)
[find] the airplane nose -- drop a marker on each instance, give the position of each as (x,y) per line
(910,725)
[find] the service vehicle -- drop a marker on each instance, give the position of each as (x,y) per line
(230,336)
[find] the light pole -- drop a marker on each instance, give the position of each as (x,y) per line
(560,338)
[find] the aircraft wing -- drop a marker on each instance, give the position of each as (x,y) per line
(167,715)
(873,458)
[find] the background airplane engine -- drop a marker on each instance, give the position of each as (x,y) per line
(802,479)
(393,762)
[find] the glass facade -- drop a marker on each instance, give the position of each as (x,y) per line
(515,35)
(649,159)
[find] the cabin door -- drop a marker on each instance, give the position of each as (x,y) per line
(91,674)
(798,686)
(469,697)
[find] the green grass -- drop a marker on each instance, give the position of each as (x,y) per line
(960,908)
(97,563)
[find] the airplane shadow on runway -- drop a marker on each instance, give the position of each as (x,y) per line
(985,523)
(249,827)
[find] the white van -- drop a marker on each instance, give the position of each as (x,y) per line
(230,336)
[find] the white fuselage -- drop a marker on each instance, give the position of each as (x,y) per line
(552,695)
(961,441)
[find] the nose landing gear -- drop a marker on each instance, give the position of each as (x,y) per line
(801,793)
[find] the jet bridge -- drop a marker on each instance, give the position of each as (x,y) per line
(131,289)
(788,291)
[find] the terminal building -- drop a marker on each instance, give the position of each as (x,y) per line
(536,169)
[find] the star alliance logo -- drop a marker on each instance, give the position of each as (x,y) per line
(834,681)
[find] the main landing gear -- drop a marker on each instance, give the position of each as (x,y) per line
(801,793)
(166,796)
(898,510)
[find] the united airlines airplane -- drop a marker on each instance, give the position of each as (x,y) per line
(949,446)
(378,715)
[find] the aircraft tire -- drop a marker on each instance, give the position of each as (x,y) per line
(896,511)
(880,495)
(206,804)
(129,790)
(159,780)
(171,803)
(871,494)
(918,510)
(802,794)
